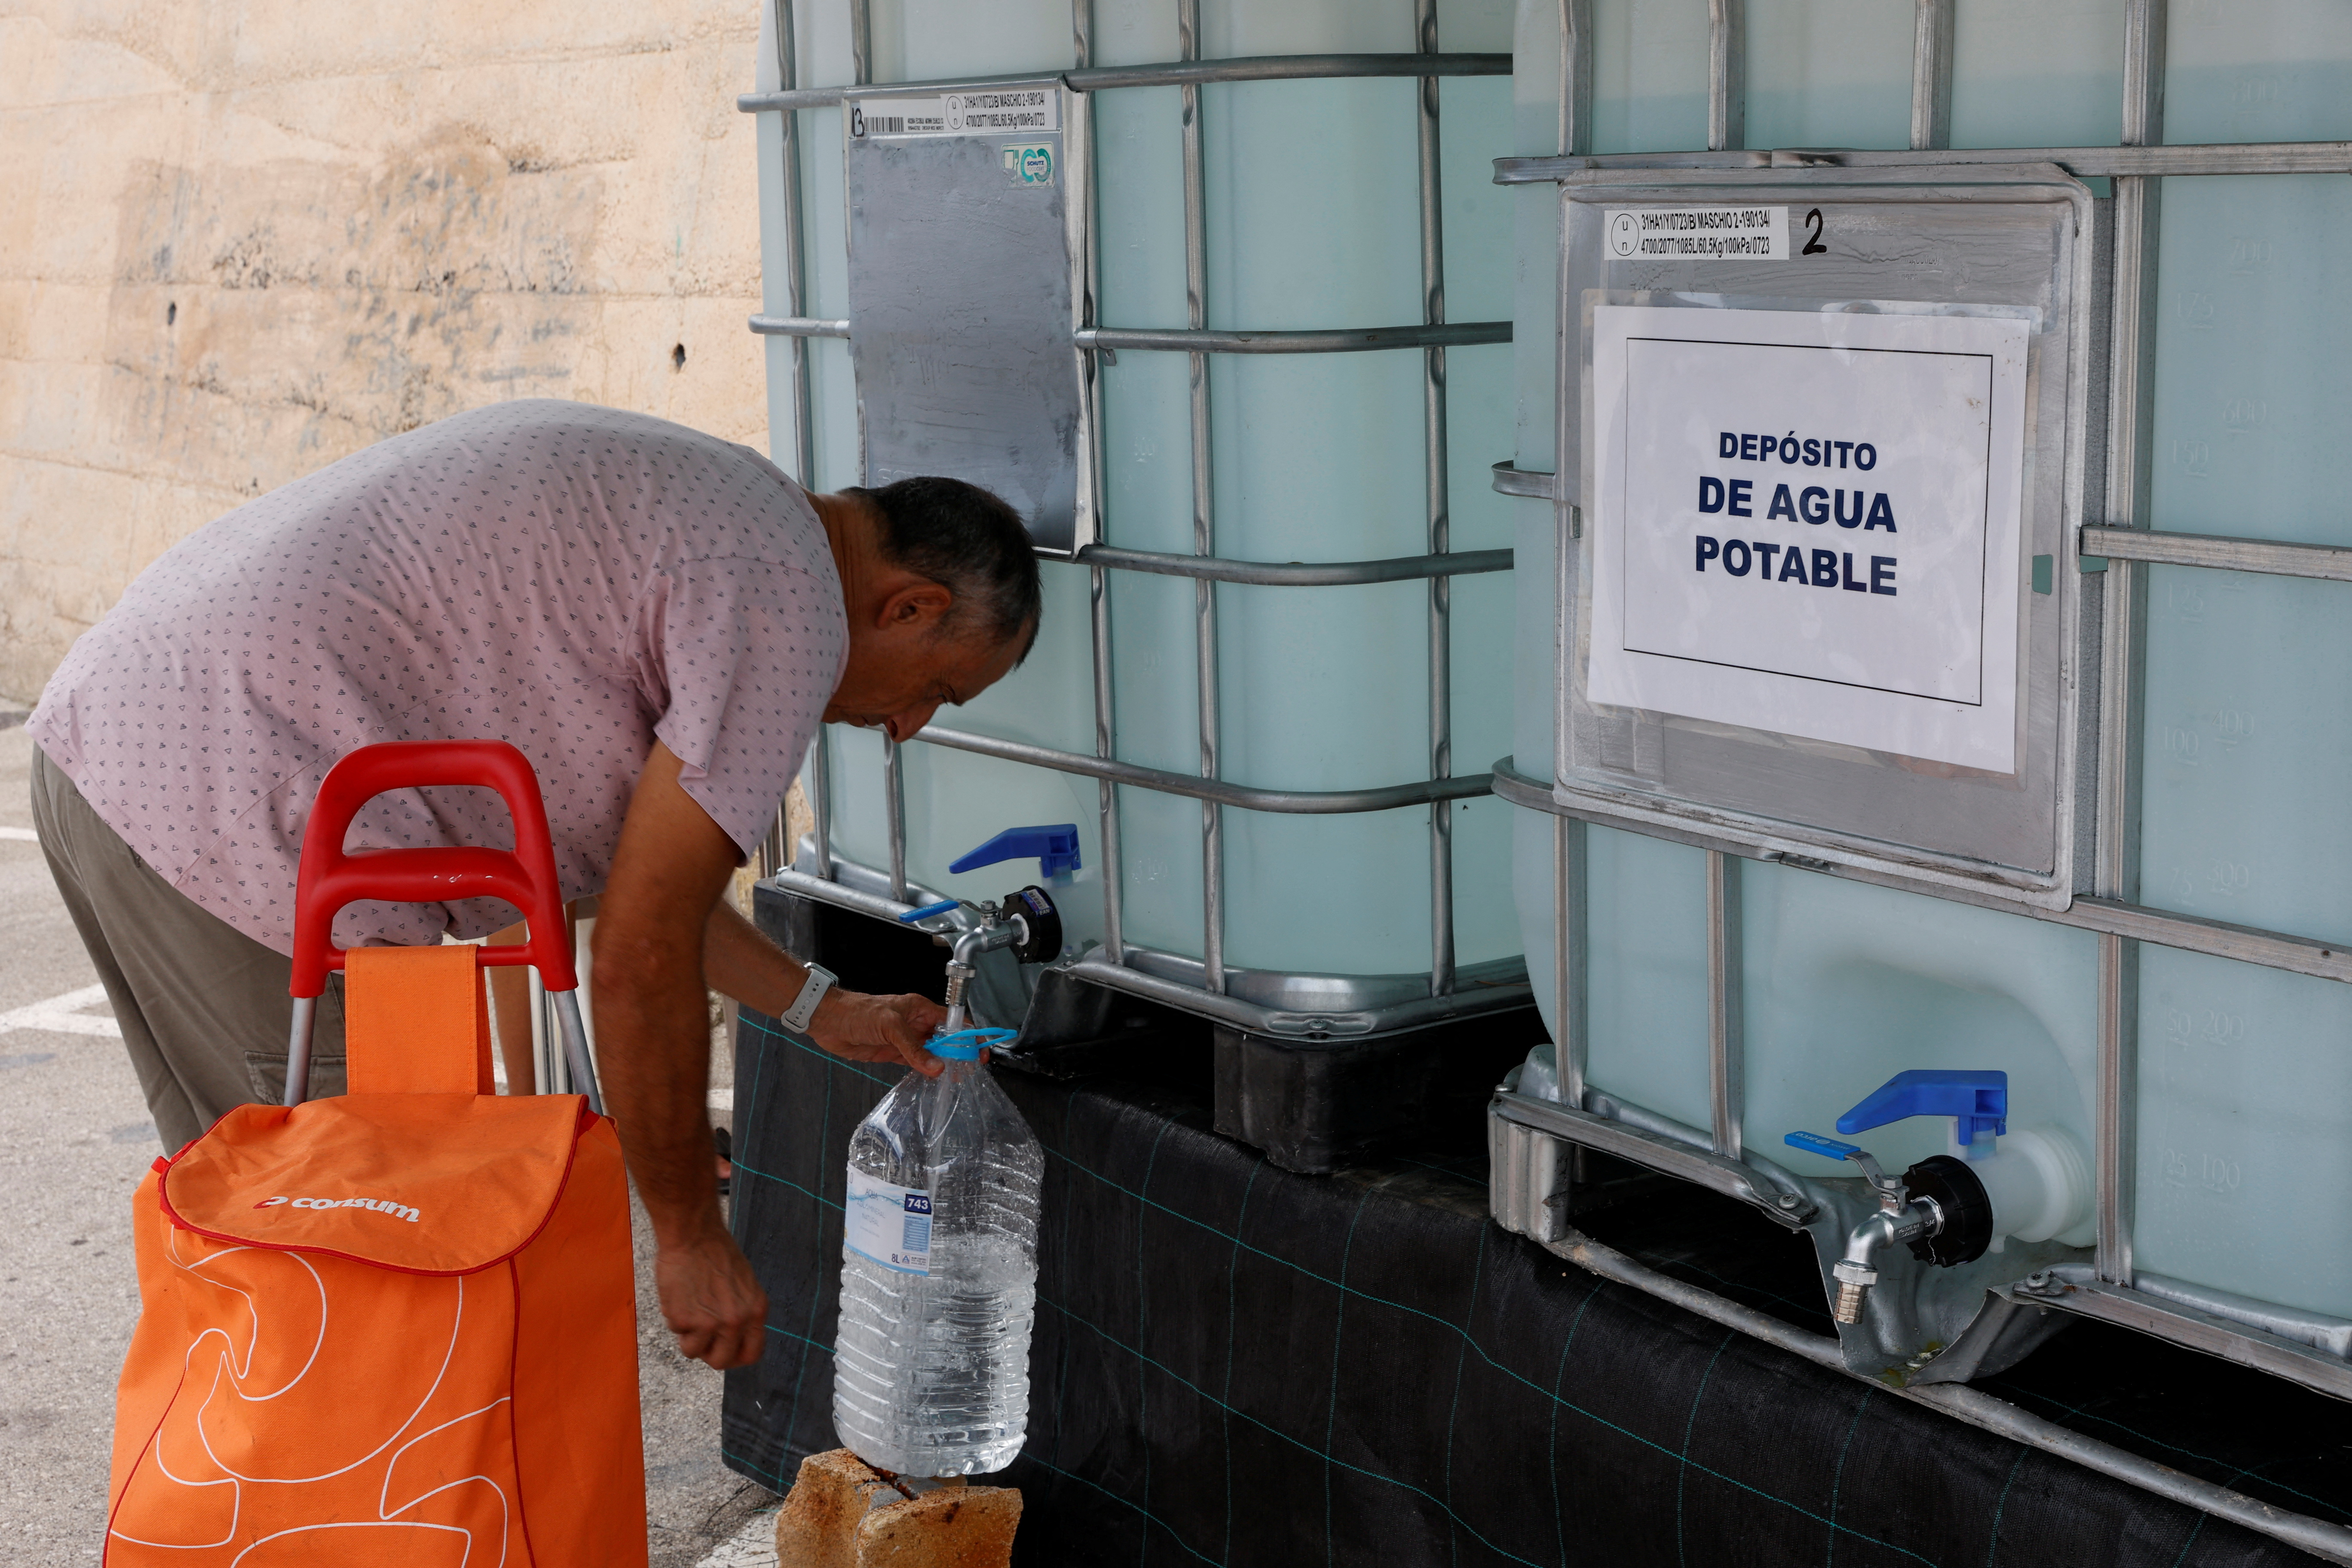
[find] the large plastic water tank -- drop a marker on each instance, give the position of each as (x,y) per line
(2241,1113)
(1311,207)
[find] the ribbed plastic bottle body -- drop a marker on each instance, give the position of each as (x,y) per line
(932,1357)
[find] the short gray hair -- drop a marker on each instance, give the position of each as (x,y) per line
(967,540)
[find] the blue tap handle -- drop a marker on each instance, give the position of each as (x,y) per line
(1055,845)
(927,911)
(1814,1143)
(1977,1099)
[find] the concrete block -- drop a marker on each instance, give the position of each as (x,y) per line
(842,1513)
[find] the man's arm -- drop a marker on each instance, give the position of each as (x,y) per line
(654,1032)
(661,929)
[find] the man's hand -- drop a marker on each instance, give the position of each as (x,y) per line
(711,1301)
(864,1028)
(740,962)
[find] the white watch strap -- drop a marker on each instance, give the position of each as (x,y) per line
(803,1008)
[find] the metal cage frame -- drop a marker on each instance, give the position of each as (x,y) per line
(1295,1005)
(2115,550)
(2111,1290)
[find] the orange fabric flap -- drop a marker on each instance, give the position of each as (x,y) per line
(415,1021)
(430,1183)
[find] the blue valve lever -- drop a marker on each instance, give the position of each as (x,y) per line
(1814,1143)
(1056,846)
(1978,1099)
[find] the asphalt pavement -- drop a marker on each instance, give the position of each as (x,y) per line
(75,1138)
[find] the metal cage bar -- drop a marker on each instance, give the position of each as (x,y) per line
(1204,524)
(1436,480)
(1570,846)
(1297,574)
(819,791)
(1727,75)
(798,326)
(2084,163)
(894,800)
(1931,75)
(1727,1043)
(2123,659)
(2220,551)
(2323,959)
(1571,1037)
(1575,76)
(1293,802)
(1082,55)
(1190,71)
(1106,789)
(1309,340)
(779,852)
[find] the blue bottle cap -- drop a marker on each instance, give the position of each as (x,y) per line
(965,1044)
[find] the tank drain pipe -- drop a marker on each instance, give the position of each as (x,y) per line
(1900,1218)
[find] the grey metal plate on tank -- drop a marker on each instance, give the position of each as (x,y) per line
(2011,239)
(963,240)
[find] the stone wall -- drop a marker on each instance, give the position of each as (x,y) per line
(241,239)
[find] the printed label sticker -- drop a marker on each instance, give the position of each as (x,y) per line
(1015,110)
(1696,234)
(890,1224)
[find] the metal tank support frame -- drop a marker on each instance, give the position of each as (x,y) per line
(1533,1141)
(1312,1005)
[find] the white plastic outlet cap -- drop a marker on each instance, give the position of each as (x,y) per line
(2039,1182)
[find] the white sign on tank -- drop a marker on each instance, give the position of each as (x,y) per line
(1806,522)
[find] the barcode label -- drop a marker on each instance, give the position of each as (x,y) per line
(886,125)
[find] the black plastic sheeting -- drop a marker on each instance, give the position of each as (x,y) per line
(1234,1364)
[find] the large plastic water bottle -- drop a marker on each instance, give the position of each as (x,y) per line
(938,1273)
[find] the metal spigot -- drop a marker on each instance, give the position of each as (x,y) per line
(998,927)
(1900,1218)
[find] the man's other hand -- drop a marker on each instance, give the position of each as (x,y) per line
(711,1301)
(862,1028)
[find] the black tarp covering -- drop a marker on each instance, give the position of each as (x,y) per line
(1234,1364)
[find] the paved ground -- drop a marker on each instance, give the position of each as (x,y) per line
(74,1138)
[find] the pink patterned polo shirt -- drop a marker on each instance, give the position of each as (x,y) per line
(576,580)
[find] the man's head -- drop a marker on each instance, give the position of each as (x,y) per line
(943,597)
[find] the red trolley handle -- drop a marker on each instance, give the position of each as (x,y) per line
(331,877)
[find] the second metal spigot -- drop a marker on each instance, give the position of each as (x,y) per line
(1901,1218)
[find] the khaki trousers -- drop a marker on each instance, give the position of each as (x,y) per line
(204,1008)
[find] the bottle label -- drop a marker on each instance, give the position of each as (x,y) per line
(890,1225)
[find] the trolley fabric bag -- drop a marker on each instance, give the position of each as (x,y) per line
(396,1326)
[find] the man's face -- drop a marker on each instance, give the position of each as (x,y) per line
(900,674)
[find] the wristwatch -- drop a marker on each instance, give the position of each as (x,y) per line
(803,1008)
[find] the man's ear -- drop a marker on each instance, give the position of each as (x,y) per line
(917,608)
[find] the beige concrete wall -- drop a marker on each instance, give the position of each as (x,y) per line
(241,239)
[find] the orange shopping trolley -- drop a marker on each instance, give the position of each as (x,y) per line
(396,1326)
